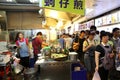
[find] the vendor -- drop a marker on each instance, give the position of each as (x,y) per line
(37,45)
(22,45)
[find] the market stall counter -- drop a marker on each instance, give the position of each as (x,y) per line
(56,70)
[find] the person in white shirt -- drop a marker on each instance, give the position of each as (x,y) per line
(97,38)
(115,39)
(68,41)
(89,46)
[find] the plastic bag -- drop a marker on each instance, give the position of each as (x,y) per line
(96,76)
(18,68)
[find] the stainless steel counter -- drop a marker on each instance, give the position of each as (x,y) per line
(55,70)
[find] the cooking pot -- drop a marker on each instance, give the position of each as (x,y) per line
(73,56)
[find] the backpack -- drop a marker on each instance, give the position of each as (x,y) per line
(107,62)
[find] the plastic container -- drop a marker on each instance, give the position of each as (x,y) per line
(78,75)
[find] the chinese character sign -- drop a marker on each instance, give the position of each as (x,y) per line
(73,6)
(49,3)
(64,2)
(78,4)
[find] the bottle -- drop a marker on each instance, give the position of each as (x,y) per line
(66,51)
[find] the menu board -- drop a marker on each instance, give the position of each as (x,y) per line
(98,22)
(104,20)
(114,18)
(89,24)
(118,16)
(84,25)
(80,27)
(109,19)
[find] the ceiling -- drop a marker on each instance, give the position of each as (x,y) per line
(97,7)
(102,6)
(19,5)
(20,1)
(52,17)
(93,9)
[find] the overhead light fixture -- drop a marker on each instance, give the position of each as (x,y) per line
(33,1)
(9,0)
(89,10)
(1,16)
(53,14)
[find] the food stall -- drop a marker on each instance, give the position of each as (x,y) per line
(57,64)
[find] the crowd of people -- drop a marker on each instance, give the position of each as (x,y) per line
(97,51)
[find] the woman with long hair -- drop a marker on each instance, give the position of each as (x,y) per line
(22,45)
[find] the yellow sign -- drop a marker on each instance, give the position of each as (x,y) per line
(73,6)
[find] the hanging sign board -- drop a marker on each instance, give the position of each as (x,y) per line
(72,6)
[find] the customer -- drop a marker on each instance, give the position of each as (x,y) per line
(37,45)
(68,41)
(115,39)
(93,28)
(22,45)
(87,33)
(78,46)
(115,71)
(100,57)
(89,46)
(97,38)
(61,41)
(110,42)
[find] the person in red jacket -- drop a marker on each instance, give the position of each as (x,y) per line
(37,45)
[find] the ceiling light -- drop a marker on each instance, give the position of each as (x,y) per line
(9,0)
(33,1)
(89,10)
(53,14)
(0,15)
